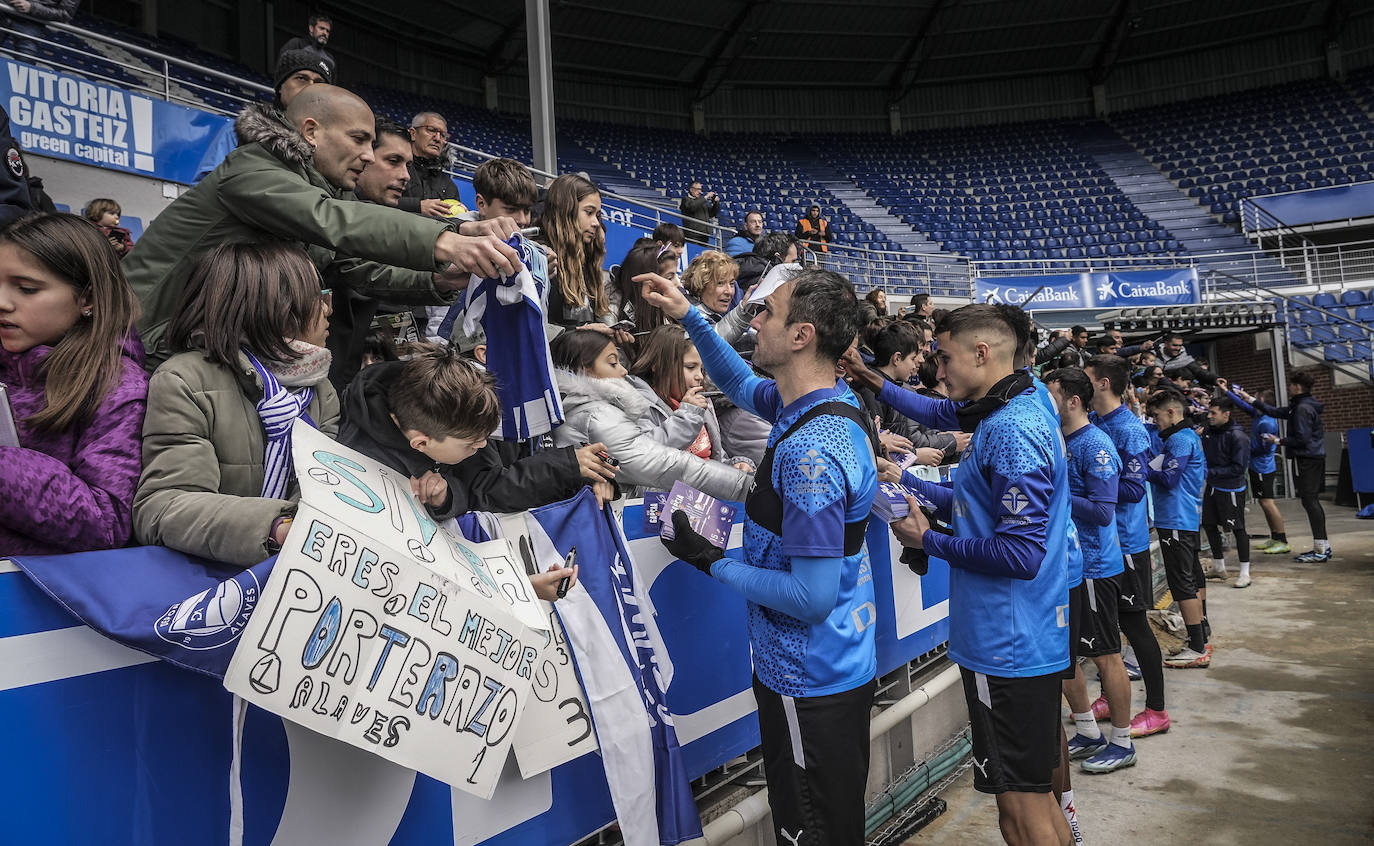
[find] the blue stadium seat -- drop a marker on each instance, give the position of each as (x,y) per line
(1354,297)
(1299,337)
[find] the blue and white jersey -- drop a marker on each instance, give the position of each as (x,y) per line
(1133,447)
(826,477)
(1008,599)
(1177,485)
(1094,468)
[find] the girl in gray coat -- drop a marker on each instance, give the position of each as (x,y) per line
(655,444)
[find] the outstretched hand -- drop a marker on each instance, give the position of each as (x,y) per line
(854,365)
(665,294)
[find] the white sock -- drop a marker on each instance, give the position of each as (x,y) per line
(1323,545)
(1121,737)
(1219,564)
(1070,812)
(1245,569)
(1086,724)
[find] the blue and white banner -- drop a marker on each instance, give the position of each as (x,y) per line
(1115,289)
(121,749)
(67,117)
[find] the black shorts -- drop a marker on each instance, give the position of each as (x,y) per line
(1311,474)
(1075,624)
(1178,548)
(815,758)
(1262,484)
(1137,583)
(1223,508)
(1015,725)
(1099,632)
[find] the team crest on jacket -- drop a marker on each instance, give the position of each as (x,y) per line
(812,464)
(1015,501)
(211,618)
(15,162)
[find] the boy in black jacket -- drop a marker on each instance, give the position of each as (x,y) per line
(430,417)
(1227,449)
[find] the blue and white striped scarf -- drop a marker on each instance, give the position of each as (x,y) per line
(278,409)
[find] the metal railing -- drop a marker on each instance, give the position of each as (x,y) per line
(899,273)
(156,79)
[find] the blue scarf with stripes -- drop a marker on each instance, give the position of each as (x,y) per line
(278,409)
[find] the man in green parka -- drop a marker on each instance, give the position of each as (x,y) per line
(293,181)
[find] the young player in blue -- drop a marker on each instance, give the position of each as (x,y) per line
(1008,597)
(1094,471)
(1176,479)
(806,572)
(1110,377)
(1264,444)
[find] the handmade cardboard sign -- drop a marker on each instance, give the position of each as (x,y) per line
(381,629)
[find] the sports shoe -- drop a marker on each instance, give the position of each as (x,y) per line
(1084,747)
(1242,581)
(1111,759)
(1276,548)
(1215,572)
(1100,710)
(1187,658)
(1149,722)
(1313,557)
(1132,670)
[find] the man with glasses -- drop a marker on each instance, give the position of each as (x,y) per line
(430,188)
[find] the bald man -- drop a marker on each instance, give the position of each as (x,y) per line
(292,181)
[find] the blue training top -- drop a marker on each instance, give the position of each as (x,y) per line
(1261,451)
(941,414)
(1008,599)
(826,477)
(1133,447)
(1177,485)
(1094,468)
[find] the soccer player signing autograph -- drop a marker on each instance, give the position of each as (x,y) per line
(805,570)
(1008,591)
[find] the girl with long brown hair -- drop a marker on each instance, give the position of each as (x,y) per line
(73,371)
(570,227)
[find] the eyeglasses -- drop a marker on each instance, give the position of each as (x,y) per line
(434,130)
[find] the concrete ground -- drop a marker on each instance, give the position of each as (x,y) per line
(1273,744)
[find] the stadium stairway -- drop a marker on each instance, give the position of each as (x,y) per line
(1154,194)
(573,158)
(863,206)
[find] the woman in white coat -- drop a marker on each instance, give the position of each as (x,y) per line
(652,442)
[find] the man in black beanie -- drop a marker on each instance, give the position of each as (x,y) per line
(298,68)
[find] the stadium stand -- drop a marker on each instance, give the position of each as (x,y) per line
(1309,134)
(1040,195)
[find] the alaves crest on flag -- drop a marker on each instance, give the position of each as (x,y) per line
(188,611)
(511,311)
(622,664)
(185,610)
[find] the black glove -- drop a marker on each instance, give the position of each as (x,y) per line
(688,545)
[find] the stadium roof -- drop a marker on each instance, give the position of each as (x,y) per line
(891,45)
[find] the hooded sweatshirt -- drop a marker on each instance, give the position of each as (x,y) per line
(70,491)
(1228,454)
(492,479)
(1306,433)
